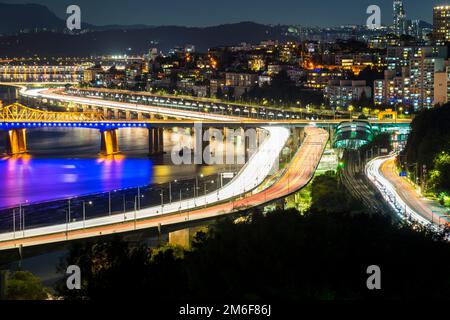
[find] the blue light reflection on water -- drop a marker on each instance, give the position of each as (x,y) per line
(29,180)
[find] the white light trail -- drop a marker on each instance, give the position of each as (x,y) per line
(390,194)
(39,93)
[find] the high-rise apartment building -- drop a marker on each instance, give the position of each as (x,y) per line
(422,72)
(400,22)
(342,93)
(441,24)
(410,78)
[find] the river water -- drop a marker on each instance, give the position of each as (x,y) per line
(65,162)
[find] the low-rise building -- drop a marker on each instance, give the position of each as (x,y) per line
(240,82)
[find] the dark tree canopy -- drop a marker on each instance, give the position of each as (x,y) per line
(429,138)
(281,255)
(23,285)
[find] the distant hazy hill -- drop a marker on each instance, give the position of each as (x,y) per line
(139,40)
(16,17)
(425,25)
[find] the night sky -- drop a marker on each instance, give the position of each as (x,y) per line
(210,12)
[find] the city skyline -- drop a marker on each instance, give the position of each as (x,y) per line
(200,152)
(327,13)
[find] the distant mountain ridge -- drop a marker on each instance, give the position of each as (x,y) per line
(119,41)
(29,29)
(425,25)
(17,17)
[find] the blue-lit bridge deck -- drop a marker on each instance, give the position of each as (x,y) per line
(17,118)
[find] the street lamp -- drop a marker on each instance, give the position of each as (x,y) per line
(84,212)
(162,200)
(139,198)
(109,202)
(187,204)
(179,208)
(14,223)
(135,209)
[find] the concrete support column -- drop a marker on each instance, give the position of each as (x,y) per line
(161,140)
(200,145)
(128,115)
(152,143)
(241,149)
(206,145)
(298,135)
(261,135)
(16,141)
(116,114)
(140,116)
(206,138)
(228,146)
(247,147)
(109,142)
(105,112)
(250,142)
(155,141)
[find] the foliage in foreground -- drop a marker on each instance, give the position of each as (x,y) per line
(23,285)
(428,148)
(280,256)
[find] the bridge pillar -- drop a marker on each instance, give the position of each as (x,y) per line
(249,146)
(206,135)
(140,116)
(251,139)
(228,146)
(184,237)
(128,115)
(16,141)
(241,144)
(155,141)
(298,135)
(109,142)
(259,137)
(106,112)
(200,144)
(116,114)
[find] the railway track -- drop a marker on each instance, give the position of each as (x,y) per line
(355,181)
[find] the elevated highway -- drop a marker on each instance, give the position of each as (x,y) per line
(241,193)
(238,195)
(177,116)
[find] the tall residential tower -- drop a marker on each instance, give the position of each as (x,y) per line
(400,22)
(441,24)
